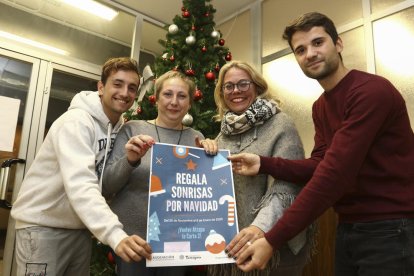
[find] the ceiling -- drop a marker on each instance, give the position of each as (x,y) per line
(165,10)
(156,13)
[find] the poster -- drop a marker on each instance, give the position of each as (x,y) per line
(192,210)
(9,112)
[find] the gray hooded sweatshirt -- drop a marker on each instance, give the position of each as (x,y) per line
(61,188)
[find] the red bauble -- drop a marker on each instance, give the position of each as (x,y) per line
(193,28)
(172,58)
(228,56)
(207,14)
(210,76)
(138,110)
(198,95)
(204,49)
(152,99)
(221,42)
(186,14)
(182,8)
(217,68)
(190,72)
(111,258)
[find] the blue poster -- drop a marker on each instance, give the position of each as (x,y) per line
(192,208)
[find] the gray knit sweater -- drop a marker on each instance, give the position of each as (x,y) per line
(261,199)
(127,186)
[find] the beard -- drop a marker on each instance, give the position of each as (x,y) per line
(327,68)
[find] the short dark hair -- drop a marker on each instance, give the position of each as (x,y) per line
(118,64)
(306,22)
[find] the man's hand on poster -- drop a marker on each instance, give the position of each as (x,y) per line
(137,146)
(133,248)
(245,163)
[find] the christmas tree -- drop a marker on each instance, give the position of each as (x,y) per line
(194,47)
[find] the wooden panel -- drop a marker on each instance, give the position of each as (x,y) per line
(322,263)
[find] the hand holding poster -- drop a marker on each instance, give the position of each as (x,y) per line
(192,208)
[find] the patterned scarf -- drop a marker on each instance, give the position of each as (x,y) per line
(258,112)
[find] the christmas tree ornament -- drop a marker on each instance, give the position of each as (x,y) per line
(172,58)
(190,40)
(111,258)
(193,28)
(187,119)
(204,49)
(164,56)
(210,76)
(137,111)
(152,99)
(186,14)
(173,29)
(146,83)
(221,42)
(215,34)
(217,68)
(207,14)
(175,68)
(228,56)
(183,8)
(190,72)
(198,95)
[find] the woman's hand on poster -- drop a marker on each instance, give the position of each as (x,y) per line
(255,256)
(210,146)
(137,146)
(243,240)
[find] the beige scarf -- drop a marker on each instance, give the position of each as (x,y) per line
(258,112)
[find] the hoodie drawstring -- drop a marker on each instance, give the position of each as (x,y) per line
(108,145)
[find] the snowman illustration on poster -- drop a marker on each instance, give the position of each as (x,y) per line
(192,212)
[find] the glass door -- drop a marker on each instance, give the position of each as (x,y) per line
(18,82)
(64,83)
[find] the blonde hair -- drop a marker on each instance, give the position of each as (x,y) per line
(256,77)
(171,75)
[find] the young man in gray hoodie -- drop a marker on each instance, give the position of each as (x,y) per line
(60,199)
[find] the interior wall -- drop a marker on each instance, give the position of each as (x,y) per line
(278,13)
(237,33)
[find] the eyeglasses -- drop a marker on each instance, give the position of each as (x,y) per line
(242,86)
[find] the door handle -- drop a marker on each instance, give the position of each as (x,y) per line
(4,180)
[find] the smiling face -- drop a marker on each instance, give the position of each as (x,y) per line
(173,102)
(118,93)
(238,101)
(316,53)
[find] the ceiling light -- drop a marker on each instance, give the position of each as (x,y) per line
(94,8)
(33,43)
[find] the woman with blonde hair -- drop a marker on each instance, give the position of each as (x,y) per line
(251,121)
(126,176)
